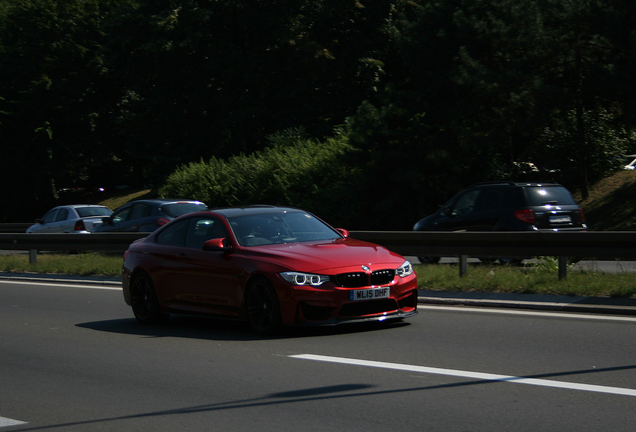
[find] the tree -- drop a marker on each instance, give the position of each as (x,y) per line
(51,68)
(214,78)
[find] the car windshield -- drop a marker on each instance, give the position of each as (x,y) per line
(540,196)
(179,208)
(280,227)
(93,211)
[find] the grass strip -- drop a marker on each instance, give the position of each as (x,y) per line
(527,279)
(84,264)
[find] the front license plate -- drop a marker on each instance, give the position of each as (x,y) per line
(560,219)
(370,294)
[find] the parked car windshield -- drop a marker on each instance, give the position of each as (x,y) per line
(539,196)
(177,209)
(281,227)
(93,211)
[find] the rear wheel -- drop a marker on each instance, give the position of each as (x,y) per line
(263,310)
(511,261)
(429,259)
(487,260)
(144,301)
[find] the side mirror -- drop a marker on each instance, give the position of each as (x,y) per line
(447,211)
(343,231)
(38,221)
(107,220)
(216,245)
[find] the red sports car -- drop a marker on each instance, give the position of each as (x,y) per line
(267,265)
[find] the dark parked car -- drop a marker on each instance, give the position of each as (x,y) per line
(268,266)
(76,218)
(507,206)
(148,215)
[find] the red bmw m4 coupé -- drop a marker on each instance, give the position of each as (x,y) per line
(270,266)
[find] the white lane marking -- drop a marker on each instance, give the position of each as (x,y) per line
(471,375)
(4,422)
(531,313)
(65,285)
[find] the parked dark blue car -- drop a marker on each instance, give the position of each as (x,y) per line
(506,206)
(147,215)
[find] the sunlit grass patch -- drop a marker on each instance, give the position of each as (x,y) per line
(525,280)
(84,264)
(529,279)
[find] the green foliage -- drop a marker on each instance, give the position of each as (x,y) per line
(294,170)
(611,206)
(436,95)
(606,141)
(85,264)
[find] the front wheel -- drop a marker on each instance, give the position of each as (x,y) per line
(144,301)
(263,310)
(429,259)
(511,261)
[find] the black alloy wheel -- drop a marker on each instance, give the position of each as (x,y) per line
(263,310)
(144,301)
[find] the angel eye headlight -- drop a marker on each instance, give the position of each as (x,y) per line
(405,269)
(301,279)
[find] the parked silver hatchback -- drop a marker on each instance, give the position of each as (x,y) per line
(76,218)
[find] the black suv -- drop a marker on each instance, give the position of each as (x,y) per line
(507,206)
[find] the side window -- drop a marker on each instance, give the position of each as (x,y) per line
(62,214)
(492,199)
(174,235)
(140,211)
(50,216)
(202,229)
(121,215)
(465,204)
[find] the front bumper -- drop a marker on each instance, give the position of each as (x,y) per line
(334,321)
(314,307)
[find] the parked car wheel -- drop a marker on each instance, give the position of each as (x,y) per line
(263,310)
(487,260)
(429,259)
(144,300)
(511,261)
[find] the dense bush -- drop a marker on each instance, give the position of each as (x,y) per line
(293,171)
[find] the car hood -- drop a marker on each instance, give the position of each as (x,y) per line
(328,256)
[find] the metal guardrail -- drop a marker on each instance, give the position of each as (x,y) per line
(594,244)
(67,242)
(564,245)
(14,227)
(598,244)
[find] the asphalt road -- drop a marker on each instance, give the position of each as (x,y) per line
(72,358)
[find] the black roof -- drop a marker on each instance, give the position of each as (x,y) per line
(255,209)
(517,184)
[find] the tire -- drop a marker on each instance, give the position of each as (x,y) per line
(429,259)
(487,260)
(262,307)
(144,301)
(511,261)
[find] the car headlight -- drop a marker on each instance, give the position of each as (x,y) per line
(301,279)
(405,269)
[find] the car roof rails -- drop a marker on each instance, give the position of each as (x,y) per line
(502,182)
(511,183)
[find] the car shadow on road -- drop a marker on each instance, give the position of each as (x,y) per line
(196,327)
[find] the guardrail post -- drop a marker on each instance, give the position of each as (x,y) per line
(563,267)
(463,265)
(33,256)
